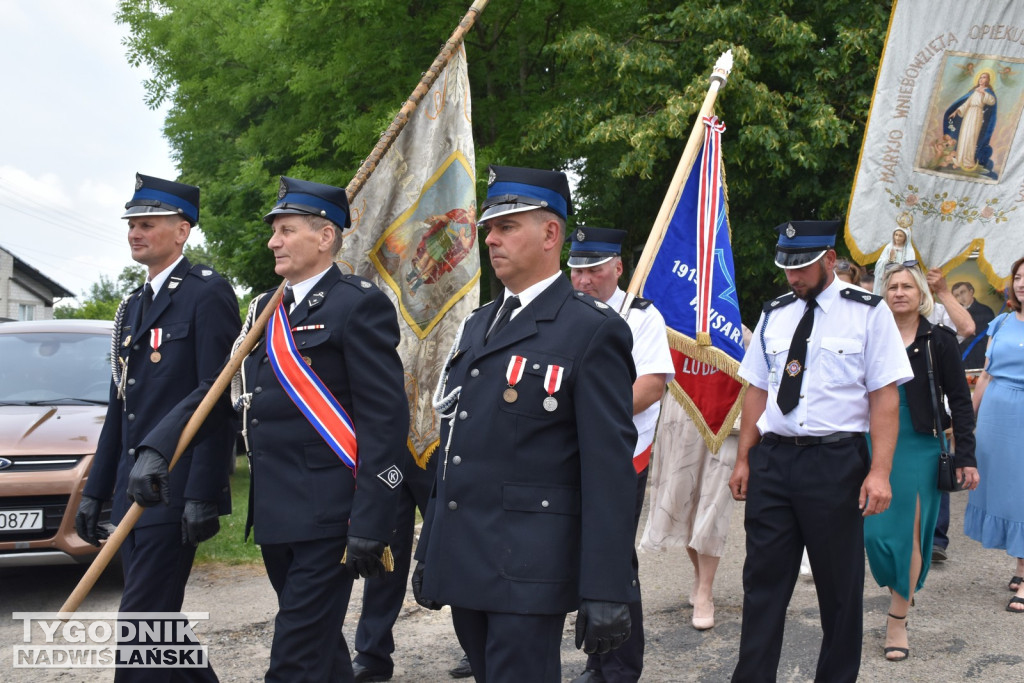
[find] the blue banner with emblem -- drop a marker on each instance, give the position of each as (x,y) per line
(692,281)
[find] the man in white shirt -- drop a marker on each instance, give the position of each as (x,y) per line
(803,464)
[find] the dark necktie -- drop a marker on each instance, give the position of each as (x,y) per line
(793,373)
(145,299)
(289,300)
(504,315)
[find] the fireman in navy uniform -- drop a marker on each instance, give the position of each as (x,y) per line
(308,509)
(169,335)
(531,516)
(823,368)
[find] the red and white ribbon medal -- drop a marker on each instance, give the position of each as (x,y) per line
(156,338)
(514,373)
(552,383)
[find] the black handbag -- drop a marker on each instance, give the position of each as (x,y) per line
(947,480)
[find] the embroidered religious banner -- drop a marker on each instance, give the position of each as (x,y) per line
(941,169)
(414,234)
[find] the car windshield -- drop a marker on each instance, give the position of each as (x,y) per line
(53,368)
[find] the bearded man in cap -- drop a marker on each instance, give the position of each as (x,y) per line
(169,335)
(326,419)
(595,263)
(823,368)
(531,513)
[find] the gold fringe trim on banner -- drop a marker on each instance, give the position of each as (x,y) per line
(704,339)
(721,361)
(423,458)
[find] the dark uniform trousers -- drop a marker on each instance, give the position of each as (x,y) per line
(625,663)
(804,496)
(383,595)
(313,589)
(530,650)
(196,314)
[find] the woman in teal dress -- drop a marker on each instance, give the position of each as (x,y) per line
(995,512)
(898,553)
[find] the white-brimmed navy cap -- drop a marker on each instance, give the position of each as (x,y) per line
(312,199)
(511,190)
(159,197)
(594,246)
(801,243)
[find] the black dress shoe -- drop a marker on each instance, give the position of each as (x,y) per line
(462,669)
(589,676)
(366,674)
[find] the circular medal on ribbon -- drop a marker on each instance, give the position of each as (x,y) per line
(510,395)
(550,404)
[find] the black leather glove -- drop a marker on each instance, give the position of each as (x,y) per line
(417,589)
(147,483)
(601,626)
(199,522)
(87,521)
(363,557)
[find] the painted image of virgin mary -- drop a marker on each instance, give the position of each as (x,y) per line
(970,121)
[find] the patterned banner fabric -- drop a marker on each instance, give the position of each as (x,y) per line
(943,153)
(414,235)
(692,282)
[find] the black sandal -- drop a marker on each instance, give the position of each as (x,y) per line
(1015,601)
(1015,583)
(905,651)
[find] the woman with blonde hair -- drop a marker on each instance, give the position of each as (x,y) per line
(899,540)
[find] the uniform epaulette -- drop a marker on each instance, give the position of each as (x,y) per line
(860,296)
(641,303)
(779,302)
(359,283)
(202,271)
(942,327)
(595,303)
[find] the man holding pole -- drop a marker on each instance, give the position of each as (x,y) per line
(530,516)
(168,336)
(595,261)
(326,420)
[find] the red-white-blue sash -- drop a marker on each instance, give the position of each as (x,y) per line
(309,394)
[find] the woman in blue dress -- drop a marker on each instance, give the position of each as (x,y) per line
(995,512)
(898,553)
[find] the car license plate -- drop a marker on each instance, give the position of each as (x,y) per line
(21,520)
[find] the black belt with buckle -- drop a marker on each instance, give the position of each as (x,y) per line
(771,437)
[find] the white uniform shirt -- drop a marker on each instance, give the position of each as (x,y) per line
(855,348)
(651,356)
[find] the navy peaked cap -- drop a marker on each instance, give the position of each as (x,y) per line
(512,190)
(804,242)
(311,199)
(594,246)
(159,197)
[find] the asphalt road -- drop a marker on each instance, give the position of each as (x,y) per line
(959,630)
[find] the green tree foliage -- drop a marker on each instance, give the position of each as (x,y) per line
(607,88)
(794,106)
(103,297)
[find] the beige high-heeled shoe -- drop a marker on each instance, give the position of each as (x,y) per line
(703,623)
